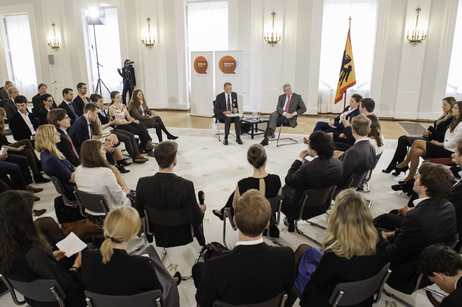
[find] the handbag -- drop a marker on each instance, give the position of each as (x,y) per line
(82,229)
(214,249)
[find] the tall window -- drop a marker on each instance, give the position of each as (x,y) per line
(334,33)
(20,55)
(108,45)
(454,86)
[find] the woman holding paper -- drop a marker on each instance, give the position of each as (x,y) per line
(26,252)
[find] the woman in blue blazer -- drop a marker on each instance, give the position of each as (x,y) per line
(335,124)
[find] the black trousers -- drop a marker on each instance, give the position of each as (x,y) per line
(228,120)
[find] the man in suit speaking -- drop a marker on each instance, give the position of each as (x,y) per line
(290,106)
(225,107)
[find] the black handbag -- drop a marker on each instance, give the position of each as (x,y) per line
(214,249)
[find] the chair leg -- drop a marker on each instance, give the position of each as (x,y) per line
(199,255)
(306,236)
(12,292)
(164,253)
(316,225)
(275,241)
(293,141)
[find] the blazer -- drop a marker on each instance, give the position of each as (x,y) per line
(124,275)
(38,105)
(248,274)
(10,108)
(338,123)
(123,73)
(221,103)
(455,198)
(4,94)
(432,221)
(79,104)
(455,297)
(79,133)
(359,158)
(296,105)
(333,270)
(42,116)
(19,128)
(64,106)
(167,191)
(66,148)
(317,174)
(62,169)
(439,129)
(137,113)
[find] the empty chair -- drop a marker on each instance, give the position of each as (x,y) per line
(149,298)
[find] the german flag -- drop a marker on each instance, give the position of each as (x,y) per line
(347,76)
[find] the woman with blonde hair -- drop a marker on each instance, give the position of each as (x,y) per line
(111,270)
(140,111)
(353,250)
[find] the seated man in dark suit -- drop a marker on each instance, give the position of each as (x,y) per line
(443,266)
(432,221)
(68,104)
(289,107)
(4,90)
(360,157)
(346,139)
(322,172)
(23,124)
(10,106)
(167,191)
(37,102)
(80,130)
(226,104)
(81,100)
(253,272)
(59,118)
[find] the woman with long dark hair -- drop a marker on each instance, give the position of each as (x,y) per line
(26,252)
(140,111)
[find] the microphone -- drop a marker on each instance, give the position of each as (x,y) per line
(201,197)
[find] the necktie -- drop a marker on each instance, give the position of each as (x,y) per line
(72,109)
(287,104)
(229,104)
(72,144)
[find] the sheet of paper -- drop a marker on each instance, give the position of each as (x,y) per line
(234,115)
(71,245)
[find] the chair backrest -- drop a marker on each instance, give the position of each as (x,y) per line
(40,290)
(350,293)
(277,301)
(276,204)
(60,189)
(369,173)
(145,299)
(315,202)
(355,180)
(93,202)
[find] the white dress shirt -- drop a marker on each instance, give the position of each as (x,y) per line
(28,122)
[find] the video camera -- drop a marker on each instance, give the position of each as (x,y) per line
(128,63)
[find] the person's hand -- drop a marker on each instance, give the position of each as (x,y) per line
(331,122)
(78,260)
(20,148)
(118,69)
(437,143)
(427,134)
(109,148)
(126,190)
(3,157)
(403,211)
(131,120)
(345,122)
(58,255)
(388,235)
(32,137)
(342,136)
(288,116)
(235,110)
(303,153)
(152,115)
(136,121)
(203,207)
(72,180)
(227,113)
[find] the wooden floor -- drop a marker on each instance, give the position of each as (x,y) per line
(391,129)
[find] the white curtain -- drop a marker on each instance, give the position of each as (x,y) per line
(454,86)
(334,34)
(21,55)
(108,43)
(207,25)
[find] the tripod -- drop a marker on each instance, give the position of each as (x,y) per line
(100,82)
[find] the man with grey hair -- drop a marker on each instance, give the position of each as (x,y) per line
(289,107)
(226,110)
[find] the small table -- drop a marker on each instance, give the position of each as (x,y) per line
(254,130)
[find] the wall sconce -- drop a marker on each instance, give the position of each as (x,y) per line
(417,35)
(272,38)
(148,39)
(53,41)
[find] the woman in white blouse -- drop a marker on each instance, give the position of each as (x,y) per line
(95,175)
(375,135)
(434,149)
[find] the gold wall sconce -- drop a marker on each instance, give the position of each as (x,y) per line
(148,39)
(273,37)
(53,40)
(417,35)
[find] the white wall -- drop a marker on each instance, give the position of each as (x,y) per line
(407,81)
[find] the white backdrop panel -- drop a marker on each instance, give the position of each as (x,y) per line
(202,94)
(231,73)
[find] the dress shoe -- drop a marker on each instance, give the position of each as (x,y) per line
(39,212)
(305,141)
(403,186)
(36,198)
(290,224)
(116,145)
(178,276)
(215,212)
(123,162)
(38,178)
(34,190)
(122,169)
(389,169)
(140,159)
(239,141)
(151,153)
(399,170)
(171,137)
(274,232)
(150,146)
(225,141)
(264,142)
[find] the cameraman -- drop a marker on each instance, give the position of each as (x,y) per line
(128,75)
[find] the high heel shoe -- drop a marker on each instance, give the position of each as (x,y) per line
(404,186)
(389,169)
(220,216)
(116,145)
(171,137)
(399,170)
(123,162)
(122,169)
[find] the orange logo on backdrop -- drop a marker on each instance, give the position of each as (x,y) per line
(200,65)
(227,64)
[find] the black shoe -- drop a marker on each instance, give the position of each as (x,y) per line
(122,169)
(399,170)
(220,216)
(38,178)
(239,141)
(39,212)
(171,137)
(123,162)
(290,224)
(264,142)
(225,141)
(177,275)
(389,169)
(274,232)
(403,185)
(116,145)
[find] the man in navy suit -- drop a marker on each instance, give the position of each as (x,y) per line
(81,100)
(335,124)
(80,131)
(23,124)
(69,105)
(225,106)
(59,118)
(289,107)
